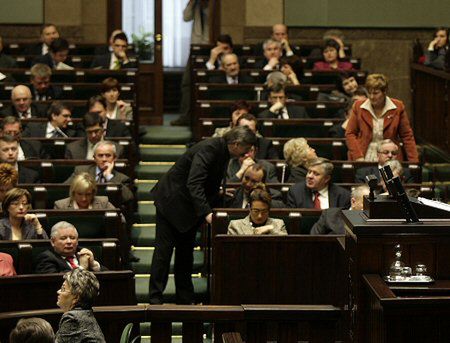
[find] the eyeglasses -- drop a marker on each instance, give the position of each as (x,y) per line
(259,211)
(387,152)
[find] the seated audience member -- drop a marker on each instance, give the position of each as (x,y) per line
(17,223)
(331,61)
(9,151)
(291,67)
(238,165)
(49,33)
(272,54)
(387,151)
(280,34)
(239,108)
(118,58)
(56,56)
(57,126)
(231,74)
(224,45)
(298,154)
(332,34)
(338,130)
(258,221)
(22,104)
(107,48)
(397,171)
(318,191)
(6,265)
(5,60)
(12,126)
(347,87)
(330,221)
(103,171)
(8,179)
(115,108)
(276,78)
(278,107)
(65,254)
(253,175)
(83,190)
(76,297)
(32,330)
(113,128)
(377,118)
(41,88)
(266,150)
(437,49)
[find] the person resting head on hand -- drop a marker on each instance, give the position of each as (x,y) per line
(258,222)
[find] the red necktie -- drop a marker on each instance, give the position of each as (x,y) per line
(316,200)
(71,262)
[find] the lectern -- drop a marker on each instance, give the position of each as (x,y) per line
(371,236)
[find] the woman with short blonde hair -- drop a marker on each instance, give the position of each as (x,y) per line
(297,154)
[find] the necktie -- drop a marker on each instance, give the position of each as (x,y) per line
(116,65)
(56,134)
(100,178)
(71,259)
(316,200)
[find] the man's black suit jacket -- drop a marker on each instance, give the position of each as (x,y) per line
(330,222)
(266,150)
(300,196)
(49,262)
(104,61)
(361,173)
(40,130)
(295,112)
(37,111)
(238,198)
(53,92)
(32,150)
(222,78)
(190,189)
(28,175)
(44,59)
(35,49)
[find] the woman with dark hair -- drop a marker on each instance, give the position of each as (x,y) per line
(17,223)
(76,297)
(258,222)
(115,108)
(239,108)
(437,49)
(330,53)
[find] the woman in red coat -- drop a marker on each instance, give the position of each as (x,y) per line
(377,118)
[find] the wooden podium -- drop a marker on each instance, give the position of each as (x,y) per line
(370,247)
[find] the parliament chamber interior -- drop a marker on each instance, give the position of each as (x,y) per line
(276,171)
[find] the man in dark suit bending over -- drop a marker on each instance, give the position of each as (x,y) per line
(65,254)
(318,191)
(184,199)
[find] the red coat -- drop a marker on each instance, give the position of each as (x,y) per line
(396,127)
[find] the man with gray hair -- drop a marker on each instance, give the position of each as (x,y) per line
(65,255)
(387,150)
(272,53)
(41,87)
(330,221)
(184,199)
(317,191)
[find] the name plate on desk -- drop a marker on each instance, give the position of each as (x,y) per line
(409,279)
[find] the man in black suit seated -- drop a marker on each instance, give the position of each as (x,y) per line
(5,60)
(41,87)
(279,108)
(9,151)
(56,56)
(387,151)
(266,150)
(65,255)
(57,126)
(12,126)
(94,132)
(330,221)
(22,104)
(118,58)
(272,54)
(224,46)
(49,33)
(253,175)
(231,74)
(317,191)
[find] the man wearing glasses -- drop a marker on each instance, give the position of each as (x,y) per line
(387,150)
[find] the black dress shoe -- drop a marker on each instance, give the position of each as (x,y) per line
(181,121)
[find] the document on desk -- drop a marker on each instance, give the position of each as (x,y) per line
(435,204)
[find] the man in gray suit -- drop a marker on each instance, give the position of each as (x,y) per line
(330,221)
(317,191)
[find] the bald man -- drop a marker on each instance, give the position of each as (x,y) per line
(280,34)
(22,105)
